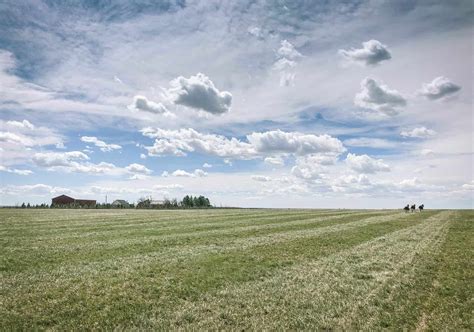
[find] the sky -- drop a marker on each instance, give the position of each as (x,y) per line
(287,104)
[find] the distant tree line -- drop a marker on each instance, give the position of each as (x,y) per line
(188,202)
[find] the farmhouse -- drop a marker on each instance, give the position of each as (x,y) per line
(66,200)
(120,203)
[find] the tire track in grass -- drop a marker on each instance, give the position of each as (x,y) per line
(314,295)
(436,291)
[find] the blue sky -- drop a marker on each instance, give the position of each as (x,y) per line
(353,104)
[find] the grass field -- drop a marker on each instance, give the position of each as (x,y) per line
(236,269)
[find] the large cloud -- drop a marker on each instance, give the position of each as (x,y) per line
(73,161)
(371,53)
(365,164)
(378,97)
(439,88)
(420,132)
(199,92)
(294,142)
(138,169)
(100,144)
(179,142)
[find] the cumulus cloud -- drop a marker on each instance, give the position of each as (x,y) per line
(312,167)
(275,161)
(141,103)
(179,142)
(378,97)
(277,141)
(25,124)
(286,63)
(200,93)
(261,178)
(138,169)
(371,53)
(73,161)
(365,164)
(439,88)
(104,147)
(420,132)
(206,165)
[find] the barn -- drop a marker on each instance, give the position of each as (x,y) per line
(66,200)
(62,200)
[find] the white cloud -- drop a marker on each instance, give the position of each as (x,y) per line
(312,167)
(255,31)
(25,124)
(378,97)
(275,161)
(179,142)
(52,159)
(286,63)
(206,165)
(141,103)
(371,53)
(426,152)
(200,93)
(34,190)
(73,161)
(419,132)
(365,164)
(16,171)
(181,173)
(261,178)
(439,88)
(104,147)
(138,169)
(142,156)
(277,141)
(287,50)
(371,142)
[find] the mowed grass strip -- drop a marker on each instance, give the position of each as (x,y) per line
(146,295)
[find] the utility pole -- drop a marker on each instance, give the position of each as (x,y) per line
(105,199)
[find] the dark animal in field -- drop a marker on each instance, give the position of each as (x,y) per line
(421,207)
(407,208)
(413,208)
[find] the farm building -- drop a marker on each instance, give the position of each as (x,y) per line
(120,203)
(66,200)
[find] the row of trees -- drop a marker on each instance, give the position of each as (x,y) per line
(187,202)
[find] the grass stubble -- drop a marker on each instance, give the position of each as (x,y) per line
(236,269)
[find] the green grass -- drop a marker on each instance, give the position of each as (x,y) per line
(236,269)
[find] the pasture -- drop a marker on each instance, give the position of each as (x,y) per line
(236,269)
